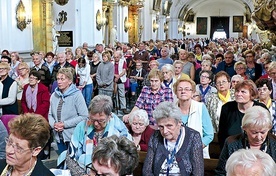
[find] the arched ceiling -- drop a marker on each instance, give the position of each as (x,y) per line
(195,4)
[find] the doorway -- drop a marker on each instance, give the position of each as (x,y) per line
(219,24)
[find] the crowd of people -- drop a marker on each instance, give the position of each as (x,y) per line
(176,96)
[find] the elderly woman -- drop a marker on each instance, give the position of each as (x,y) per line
(250,162)
(169,79)
(240,68)
(194,114)
(93,70)
(67,108)
(100,124)
(204,88)
(232,112)
(152,95)
(105,75)
(139,129)
(29,133)
(215,101)
(256,124)
(23,78)
(235,80)
(36,97)
(205,65)
(114,156)
(173,149)
(178,67)
(8,91)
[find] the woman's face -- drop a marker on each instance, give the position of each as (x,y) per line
(264,92)
(169,128)
(100,169)
(105,58)
(205,66)
(234,82)
(155,83)
(22,70)
(138,126)
(178,68)
(218,60)
(95,58)
(13,57)
(184,91)
(272,74)
(3,71)
(18,152)
(240,69)
(63,82)
(167,74)
(222,84)
(205,79)
(33,80)
(78,51)
(256,135)
(242,95)
(99,120)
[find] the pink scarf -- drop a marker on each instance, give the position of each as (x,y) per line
(31,97)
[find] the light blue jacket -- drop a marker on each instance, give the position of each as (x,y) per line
(74,110)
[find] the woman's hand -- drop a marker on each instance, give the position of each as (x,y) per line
(125,118)
(59,126)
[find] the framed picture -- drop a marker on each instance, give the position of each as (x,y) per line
(201,25)
(156,5)
(237,23)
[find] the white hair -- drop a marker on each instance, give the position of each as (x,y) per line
(141,115)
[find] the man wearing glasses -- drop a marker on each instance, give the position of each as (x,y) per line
(87,134)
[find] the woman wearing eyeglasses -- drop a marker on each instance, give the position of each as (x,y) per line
(87,134)
(194,114)
(29,133)
(215,101)
(233,111)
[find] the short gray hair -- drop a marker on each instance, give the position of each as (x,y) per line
(101,103)
(167,110)
(140,114)
(257,116)
(169,67)
(247,158)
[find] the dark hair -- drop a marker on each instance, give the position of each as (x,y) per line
(50,54)
(90,54)
(264,81)
(6,57)
(36,74)
(220,55)
(81,60)
(5,51)
(198,45)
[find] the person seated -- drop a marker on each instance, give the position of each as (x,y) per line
(174,149)
(114,156)
(87,134)
(29,133)
(250,162)
(256,124)
(4,134)
(235,80)
(139,129)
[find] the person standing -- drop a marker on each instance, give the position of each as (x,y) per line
(105,75)
(66,108)
(120,67)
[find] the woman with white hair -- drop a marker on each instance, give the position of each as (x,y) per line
(174,149)
(169,78)
(250,162)
(235,80)
(139,129)
(256,125)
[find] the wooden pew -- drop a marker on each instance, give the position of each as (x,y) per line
(209,165)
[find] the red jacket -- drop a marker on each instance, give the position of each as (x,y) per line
(42,98)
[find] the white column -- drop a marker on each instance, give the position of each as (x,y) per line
(161,34)
(124,35)
(173,28)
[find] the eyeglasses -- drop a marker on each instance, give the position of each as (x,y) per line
(32,78)
(94,171)
(20,69)
(99,121)
(3,68)
(186,89)
(221,83)
(262,89)
(272,73)
(15,147)
(240,68)
(194,96)
(205,77)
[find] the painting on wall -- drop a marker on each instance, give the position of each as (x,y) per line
(201,25)
(156,5)
(237,23)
